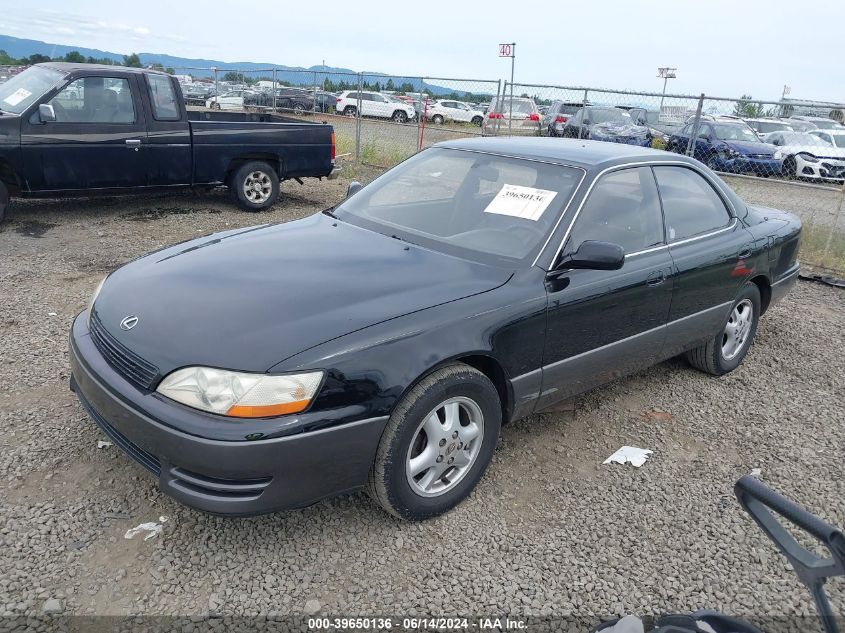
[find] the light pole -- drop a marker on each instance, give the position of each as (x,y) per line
(665,74)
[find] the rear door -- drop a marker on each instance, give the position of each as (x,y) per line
(96,142)
(169,135)
(709,249)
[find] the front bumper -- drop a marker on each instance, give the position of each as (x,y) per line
(823,169)
(743,164)
(236,478)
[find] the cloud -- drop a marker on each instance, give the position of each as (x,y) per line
(142,30)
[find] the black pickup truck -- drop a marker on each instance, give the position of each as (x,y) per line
(89,129)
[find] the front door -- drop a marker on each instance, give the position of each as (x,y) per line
(604,324)
(97,140)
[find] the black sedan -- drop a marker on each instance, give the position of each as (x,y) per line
(381,344)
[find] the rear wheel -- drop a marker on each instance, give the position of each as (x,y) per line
(725,351)
(400,116)
(437,444)
(349,110)
(4,200)
(298,108)
(255,186)
(215,106)
(476,120)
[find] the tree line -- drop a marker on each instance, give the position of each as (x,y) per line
(75,57)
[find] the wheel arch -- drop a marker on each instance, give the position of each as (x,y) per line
(9,177)
(487,365)
(274,160)
(765,288)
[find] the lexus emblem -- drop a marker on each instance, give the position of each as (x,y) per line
(129,322)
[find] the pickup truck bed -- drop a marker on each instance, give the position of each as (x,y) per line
(87,129)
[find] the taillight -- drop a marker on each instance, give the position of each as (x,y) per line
(334,148)
(561,119)
(496,115)
(534,117)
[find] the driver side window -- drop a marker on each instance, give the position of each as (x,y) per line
(623,208)
(95,100)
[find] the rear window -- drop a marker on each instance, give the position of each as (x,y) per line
(521,106)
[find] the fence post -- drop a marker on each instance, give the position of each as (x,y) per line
(491,109)
(274,90)
(501,108)
(216,85)
(358,118)
(583,113)
(314,107)
(420,115)
(691,142)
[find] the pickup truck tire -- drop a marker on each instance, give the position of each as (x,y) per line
(255,186)
(4,201)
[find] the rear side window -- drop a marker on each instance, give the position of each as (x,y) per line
(623,208)
(163,98)
(690,204)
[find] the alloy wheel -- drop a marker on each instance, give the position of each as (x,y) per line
(445,447)
(737,329)
(258,187)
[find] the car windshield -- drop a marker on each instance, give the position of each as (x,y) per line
(485,207)
(827,124)
(838,139)
(609,115)
(772,126)
(734,132)
(803,139)
(22,90)
(520,106)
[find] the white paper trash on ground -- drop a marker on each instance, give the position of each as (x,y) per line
(152,528)
(103,444)
(636,456)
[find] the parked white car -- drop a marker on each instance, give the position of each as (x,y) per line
(227,101)
(442,111)
(834,137)
(804,155)
(376,105)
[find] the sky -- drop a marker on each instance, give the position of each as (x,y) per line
(721,47)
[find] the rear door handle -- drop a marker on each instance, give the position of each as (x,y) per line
(744,254)
(133,143)
(656,278)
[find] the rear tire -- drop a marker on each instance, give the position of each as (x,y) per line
(349,111)
(215,106)
(4,201)
(728,348)
(437,444)
(476,120)
(255,186)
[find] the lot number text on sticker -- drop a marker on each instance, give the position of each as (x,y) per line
(17,96)
(521,202)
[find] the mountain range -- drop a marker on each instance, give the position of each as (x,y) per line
(295,75)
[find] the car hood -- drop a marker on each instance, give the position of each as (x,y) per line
(248,299)
(825,151)
(618,129)
(750,147)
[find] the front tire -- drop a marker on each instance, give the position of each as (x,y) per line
(476,120)
(349,111)
(215,106)
(400,117)
(726,350)
(438,119)
(255,186)
(437,444)
(790,168)
(4,201)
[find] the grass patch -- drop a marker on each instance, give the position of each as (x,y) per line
(823,247)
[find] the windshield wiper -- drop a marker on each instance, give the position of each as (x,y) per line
(330,212)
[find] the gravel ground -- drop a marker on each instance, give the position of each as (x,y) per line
(548,531)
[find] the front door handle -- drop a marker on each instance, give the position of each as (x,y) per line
(133,143)
(656,278)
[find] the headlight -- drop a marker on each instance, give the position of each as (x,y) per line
(240,394)
(809,158)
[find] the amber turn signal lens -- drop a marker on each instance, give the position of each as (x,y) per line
(267,410)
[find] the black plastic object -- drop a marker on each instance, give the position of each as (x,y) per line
(762,503)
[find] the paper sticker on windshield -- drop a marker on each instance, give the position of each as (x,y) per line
(521,202)
(17,96)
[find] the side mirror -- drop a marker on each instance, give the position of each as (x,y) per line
(46,114)
(594,255)
(353,188)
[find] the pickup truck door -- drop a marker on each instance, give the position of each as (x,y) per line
(168,132)
(96,142)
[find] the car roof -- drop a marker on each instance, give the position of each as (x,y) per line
(580,153)
(69,67)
